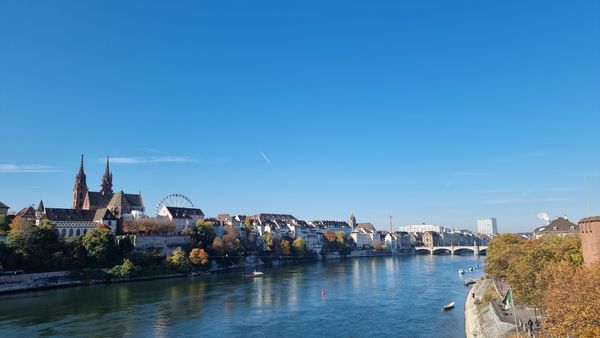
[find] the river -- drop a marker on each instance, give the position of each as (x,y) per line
(365,297)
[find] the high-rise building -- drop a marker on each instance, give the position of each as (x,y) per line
(487,226)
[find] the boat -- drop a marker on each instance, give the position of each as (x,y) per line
(470,282)
(448,306)
(461,271)
(257,273)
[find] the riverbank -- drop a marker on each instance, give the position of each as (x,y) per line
(63,279)
(482,318)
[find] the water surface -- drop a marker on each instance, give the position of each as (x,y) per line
(366,297)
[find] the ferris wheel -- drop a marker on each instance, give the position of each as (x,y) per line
(174,200)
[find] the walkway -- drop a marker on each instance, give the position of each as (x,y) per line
(482,320)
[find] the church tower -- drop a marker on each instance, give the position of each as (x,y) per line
(80,190)
(352,222)
(106,185)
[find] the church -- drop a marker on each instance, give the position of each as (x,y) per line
(121,205)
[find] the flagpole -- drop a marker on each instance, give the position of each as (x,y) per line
(512,299)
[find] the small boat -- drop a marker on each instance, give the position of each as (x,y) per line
(257,273)
(461,271)
(470,281)
(449,306)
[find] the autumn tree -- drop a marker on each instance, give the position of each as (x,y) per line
(572,301)
(148,226)
(198,257)
(285,247)
(299,247)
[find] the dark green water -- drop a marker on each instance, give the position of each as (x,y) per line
(368,297)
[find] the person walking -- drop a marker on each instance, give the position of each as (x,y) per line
(530,324)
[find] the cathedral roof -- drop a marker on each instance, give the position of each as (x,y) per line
(77,215)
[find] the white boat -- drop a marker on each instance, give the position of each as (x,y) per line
(448,306)
(461,271)
(257,273)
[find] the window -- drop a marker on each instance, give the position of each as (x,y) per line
(64,232)
(84,231)
(555,228)
(78,232)
(70,232)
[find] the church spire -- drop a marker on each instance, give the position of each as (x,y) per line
(106,185)
(80,190)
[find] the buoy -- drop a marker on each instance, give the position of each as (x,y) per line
(323,292)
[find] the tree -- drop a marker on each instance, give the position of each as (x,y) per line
(36,247)
(178,260)
(204,233)
(329,236)
(285,247)
(198,257)
(299,247)
(148,226)
(268,243)
(125,270)
(99,243)
(18,221)
(4,225)
(572,301)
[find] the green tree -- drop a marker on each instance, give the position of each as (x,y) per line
(204,233)
(125,270)
(178,260)
(99,243)
(4,225)
(299,247)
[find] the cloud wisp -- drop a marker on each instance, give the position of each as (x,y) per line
(150,159)
(26,168)
(265,157)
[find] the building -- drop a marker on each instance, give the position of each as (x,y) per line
(559,227)
(27,214)
(430,238)
(335,226)
(181,217)
(589,231)
(421,228)
(487,226)
(75,222)
(3,209)
(365,238)
(122,205)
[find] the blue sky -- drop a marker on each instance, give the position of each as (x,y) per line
(435,111)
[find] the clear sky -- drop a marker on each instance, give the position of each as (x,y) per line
(435,111)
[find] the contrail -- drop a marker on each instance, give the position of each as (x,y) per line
(265,157)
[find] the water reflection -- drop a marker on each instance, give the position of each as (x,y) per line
(409,291)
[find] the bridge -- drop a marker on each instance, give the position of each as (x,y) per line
(452,249)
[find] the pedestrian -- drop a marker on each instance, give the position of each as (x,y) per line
(530,324)
(473,294)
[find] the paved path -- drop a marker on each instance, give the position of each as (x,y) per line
(483,320)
